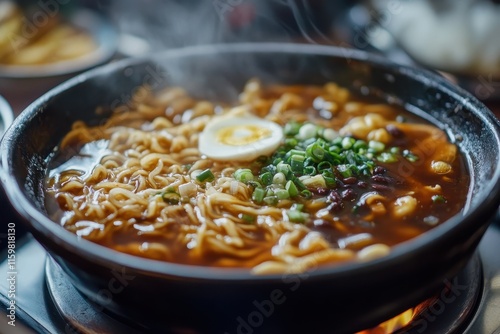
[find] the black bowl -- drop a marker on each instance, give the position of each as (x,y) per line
(338,299)
(6,117)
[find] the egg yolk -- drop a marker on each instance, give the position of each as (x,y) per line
(239,135)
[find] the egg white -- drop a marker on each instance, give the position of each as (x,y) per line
(239,136)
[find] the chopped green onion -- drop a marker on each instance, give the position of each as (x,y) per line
(291,188)
(291,129)
(297,152)
(334,149)
(307,131)
(394,150)
(296,216)
(324,165)
(297,163)
(315,152)
(330,181)
(258,195)
(170,196)
(309,170)
(277,161)
(298,183)
(338,141)
(283,168)
(279,178)
(270,192)
(297,207)
(291,142)
(348,142)
(376,145)
(266,178)
(282,194)
(309,162)
(344,170)
(318,156)
(359,144)
(205,176)
(438,199)
(410,156)
(352,158)
(269,169)
(387,157)
(271,200)
(246,218)
(329,134)
(254,184)
(243,175)
(306,193)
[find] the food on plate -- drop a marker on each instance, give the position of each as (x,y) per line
(47,39)
(288,178)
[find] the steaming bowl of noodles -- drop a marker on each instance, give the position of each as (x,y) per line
(218,178)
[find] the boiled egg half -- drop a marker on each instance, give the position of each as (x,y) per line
(239,136)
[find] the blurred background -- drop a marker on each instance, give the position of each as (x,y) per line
(458,38)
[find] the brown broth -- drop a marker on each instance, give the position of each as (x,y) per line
(344,221)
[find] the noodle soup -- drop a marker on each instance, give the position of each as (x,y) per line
(289,178)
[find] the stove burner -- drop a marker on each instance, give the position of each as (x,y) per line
(81,314)
(450,311)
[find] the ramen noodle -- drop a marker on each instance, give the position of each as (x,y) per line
(287,179)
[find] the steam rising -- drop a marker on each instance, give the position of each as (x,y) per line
(167,24)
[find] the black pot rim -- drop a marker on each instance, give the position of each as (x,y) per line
(483,209)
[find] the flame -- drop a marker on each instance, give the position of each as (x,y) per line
(402,320)
(392,325)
